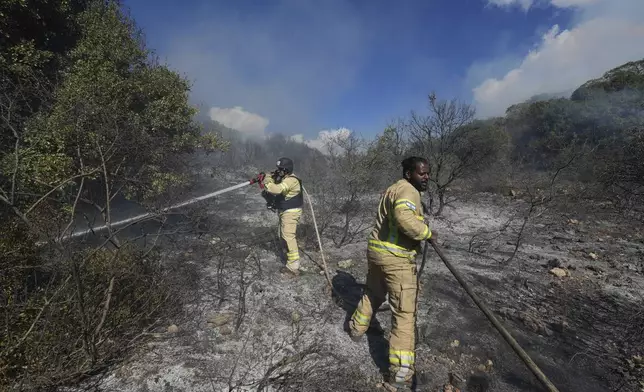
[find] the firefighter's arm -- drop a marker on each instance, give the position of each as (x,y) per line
(273,188)
(406,219)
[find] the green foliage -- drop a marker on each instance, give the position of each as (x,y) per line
(596,135)
(538,129)
(70,336)
(626,77)
(86,114)
(36,34)
(115,107)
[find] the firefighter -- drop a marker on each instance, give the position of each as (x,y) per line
(283,192)
(391,251)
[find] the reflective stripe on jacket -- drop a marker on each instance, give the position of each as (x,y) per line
(400,227)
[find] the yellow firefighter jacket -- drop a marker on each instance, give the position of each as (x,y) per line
(289,191)
(399,223)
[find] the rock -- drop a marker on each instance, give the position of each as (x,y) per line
(573,222)
(593,256)
(345,263)
(512,193)
(481,368)
(559,272)
(296,317)
(173,329)
(220,319)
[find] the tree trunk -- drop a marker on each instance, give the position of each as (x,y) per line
(430,194)
(441,201)
(345,234)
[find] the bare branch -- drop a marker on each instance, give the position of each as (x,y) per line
(106,308)
(55,188)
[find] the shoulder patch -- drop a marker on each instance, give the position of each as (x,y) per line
(405,203)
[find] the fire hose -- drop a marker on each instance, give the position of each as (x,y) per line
(532,366)
(543,379)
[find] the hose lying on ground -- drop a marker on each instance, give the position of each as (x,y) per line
(543,379)
(324,266)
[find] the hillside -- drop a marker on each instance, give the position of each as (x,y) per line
(626,77)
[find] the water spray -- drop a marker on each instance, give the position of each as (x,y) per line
(146,215)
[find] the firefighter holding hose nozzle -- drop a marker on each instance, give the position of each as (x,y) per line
(283,193)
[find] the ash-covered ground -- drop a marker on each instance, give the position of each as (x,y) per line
(250,327)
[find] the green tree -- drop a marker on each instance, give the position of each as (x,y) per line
(103,120)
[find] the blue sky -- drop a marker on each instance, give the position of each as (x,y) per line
(304,66)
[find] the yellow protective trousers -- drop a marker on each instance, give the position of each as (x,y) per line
(395,276)
(287,233)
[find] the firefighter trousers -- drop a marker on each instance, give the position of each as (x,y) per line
(287,233)
(396,276)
